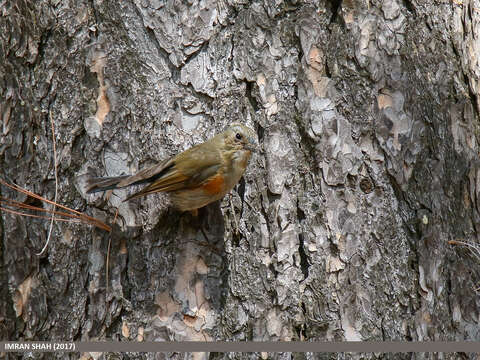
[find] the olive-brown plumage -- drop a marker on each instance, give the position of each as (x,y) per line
(195,177)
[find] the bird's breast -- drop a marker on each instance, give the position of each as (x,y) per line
(238,166)
(215,185)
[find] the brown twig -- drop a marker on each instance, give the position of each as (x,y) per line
(36,216)
(474,248)
(20,205)
(84,218)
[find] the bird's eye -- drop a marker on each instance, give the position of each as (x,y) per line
(238,136)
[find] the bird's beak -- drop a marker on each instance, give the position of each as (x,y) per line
(252,144)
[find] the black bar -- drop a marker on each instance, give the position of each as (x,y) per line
(247,346)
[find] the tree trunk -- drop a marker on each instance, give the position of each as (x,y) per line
(368,119)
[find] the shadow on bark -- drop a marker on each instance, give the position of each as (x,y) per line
(168,277)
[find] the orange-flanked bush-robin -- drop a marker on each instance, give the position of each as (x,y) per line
(195,177)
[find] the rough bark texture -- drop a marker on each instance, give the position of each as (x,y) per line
(368,117)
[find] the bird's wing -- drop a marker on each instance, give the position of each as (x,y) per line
(148,174)
(203,162)
(186,170)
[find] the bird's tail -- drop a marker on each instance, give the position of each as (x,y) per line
(147,175)
(104,183)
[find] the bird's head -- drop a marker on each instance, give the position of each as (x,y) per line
(241,137)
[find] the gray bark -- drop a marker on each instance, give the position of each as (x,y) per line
(368,118)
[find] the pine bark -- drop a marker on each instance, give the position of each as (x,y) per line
(342,227)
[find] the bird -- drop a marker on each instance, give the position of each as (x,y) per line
(196,177)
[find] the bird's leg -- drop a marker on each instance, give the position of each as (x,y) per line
(194,213)
(203,233)
(196,223)
(199,222)
(232,210)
